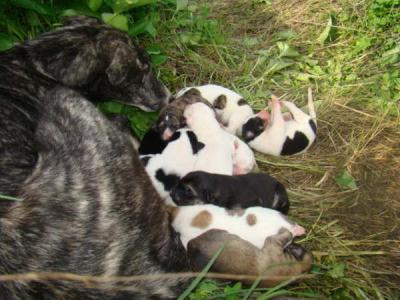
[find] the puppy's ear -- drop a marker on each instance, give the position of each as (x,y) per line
(194,142)
(192,92)
(220,102)
(118,69)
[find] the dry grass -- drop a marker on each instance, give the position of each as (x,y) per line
(360,228)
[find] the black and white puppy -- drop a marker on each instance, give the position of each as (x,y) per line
(218,153)
(169,121)
(176,160)
(231,108)
(282,134)
(255,189)
(152,142)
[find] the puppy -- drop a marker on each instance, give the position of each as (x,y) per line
(152,142)
(231,108)
(256,189)
(253,224)
(176,160)
(278,259)
(217,155)
(244,160)
(277,136)
(171,116)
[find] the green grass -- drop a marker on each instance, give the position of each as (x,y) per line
(344,190)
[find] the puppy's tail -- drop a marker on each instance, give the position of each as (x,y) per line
(311,106)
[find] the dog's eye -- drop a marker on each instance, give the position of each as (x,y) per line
(188,191)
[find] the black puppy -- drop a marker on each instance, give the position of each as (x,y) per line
(255,189)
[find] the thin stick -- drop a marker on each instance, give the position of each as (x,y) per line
(44,276)
(353,109)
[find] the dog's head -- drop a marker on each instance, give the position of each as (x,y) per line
(191,189)
(254,126)
(99,60)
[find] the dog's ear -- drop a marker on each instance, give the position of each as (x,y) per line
(70,61)
(80,21)
(120,63)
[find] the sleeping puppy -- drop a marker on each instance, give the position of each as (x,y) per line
(256,189)
(278,260)
(253,224)
(282,134)
(217,155)
(171,116)
(175,161)
(231,108)
(152,142)
(244,160)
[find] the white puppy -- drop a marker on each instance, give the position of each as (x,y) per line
(231,108)
(217,155)
(243,158)
(282,134)
(175,161)
(253,224)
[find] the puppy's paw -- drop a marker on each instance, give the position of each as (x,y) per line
(298,230)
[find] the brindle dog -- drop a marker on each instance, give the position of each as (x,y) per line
(88,206)
(85,55)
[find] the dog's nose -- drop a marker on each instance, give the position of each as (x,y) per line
(297,251)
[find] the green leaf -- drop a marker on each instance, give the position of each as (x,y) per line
(154,49)
(69,13)
(361,44)
(337,271)
(276,65)
(6,41)
(181,4)
(94,5)
(285,50)
(118,21)
(158,59)
(232,291)
(324,35)
(285,35)
(143,26)
(125,5)
(344,179)
(33,5)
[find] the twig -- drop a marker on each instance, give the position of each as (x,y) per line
(353,109)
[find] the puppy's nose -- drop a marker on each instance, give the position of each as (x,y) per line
(297,251)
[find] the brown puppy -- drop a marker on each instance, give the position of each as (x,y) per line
(171,116)
(278,260)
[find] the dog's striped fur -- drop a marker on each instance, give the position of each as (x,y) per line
(88,206)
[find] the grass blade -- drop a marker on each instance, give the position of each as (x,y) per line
(196,281)
(5,197)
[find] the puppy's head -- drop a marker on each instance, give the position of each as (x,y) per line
(100,60)
(198,113)
(190,190)
(171,118)
(254,126)
(243,158)
(167,124)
